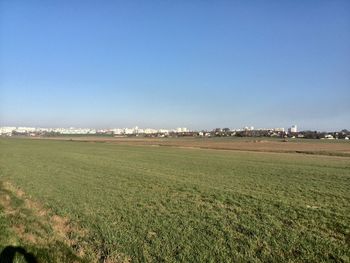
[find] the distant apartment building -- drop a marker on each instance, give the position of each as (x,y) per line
(117,131)
(293,129)
(129,131)
(164,131)
(246,128)
(181,129)
(24,130)
(150,131)
(6,130)
(74,130)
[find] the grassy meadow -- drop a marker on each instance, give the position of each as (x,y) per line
(71,201)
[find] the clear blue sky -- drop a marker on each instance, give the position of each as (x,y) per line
(197,64)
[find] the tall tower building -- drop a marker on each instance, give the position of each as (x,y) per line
(292,129)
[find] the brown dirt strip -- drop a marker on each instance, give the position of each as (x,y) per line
(315,147)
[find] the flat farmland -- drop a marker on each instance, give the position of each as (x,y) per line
(306,146)
(79,200)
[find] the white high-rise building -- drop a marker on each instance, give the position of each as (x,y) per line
(292,129)
(181,129)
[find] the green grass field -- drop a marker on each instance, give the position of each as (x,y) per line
(82,201)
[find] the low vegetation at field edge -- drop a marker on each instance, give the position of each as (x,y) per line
(160,204)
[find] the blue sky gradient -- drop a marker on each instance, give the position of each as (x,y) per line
(197,64)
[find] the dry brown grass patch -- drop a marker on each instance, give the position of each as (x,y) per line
(37,226)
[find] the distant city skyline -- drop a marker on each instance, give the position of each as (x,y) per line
(290,129)
(190,64)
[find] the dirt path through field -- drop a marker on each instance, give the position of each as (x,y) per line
(318,147)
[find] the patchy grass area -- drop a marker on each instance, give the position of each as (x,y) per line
(28,225)
(166,204)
